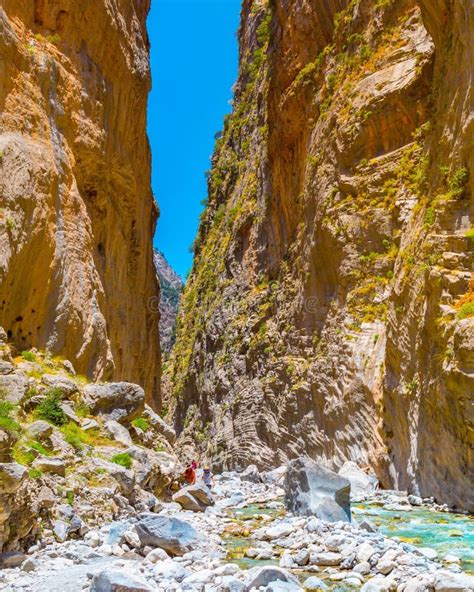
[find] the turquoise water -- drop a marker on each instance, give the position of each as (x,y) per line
(250,518)
(422,527)
(446,533)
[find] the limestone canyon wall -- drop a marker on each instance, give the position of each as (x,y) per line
(330,306)
(77,214)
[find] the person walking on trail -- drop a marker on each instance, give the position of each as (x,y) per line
(190,474)
(207,478)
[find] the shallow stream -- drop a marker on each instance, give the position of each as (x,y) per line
(445,532)
(422,527)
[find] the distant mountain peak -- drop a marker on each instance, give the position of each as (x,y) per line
(171,286)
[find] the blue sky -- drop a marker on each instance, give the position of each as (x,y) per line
(194,65)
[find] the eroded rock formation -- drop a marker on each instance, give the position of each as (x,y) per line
(77,215)
(330,306)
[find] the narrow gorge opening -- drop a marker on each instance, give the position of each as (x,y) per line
(286,405)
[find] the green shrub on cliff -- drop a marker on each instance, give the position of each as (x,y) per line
(141,423)
(35,445)
(123,459)
(466,310)
(458,180)
(28,356)
(6,420)
(50,409)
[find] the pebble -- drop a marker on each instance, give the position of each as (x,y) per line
(314,583)
(365,552)
(328,558)
(451,559)
(427,552)
(363,568)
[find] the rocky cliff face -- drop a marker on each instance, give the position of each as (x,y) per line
(330,306)
(77,214)
(171,287)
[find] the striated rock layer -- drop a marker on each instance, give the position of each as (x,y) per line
(77,214)
(330,306)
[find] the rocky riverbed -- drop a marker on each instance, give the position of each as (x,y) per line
(246,540)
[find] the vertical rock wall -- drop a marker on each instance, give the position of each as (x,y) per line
(76,211)
(330,306)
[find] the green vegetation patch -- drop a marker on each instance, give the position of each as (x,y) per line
(7,422)
(466,310)
(76,437)
(28,356)
(123,459)
(141,423)
(50,409)
(22,454)
(34,445)
(470,234)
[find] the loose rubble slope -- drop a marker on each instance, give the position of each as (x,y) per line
(74,454)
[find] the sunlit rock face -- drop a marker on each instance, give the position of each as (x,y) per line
(171,287)
(329,309)
(77,214)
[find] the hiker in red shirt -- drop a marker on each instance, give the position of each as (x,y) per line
(190,474)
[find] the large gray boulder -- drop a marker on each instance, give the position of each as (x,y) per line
(263,576)
(159,424)
(172,535)
(187,501)
(112,580)
(308,486)
(329,510)
(14,386)
(361,483)
(120,401)
(194,497)
(118,432)
(251,474)
(67,386)
(56,466)
(40,430)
